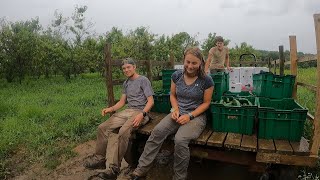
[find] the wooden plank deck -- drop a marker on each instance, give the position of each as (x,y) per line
(276,151)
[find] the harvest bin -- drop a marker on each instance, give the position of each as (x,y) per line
(166,79)
(234,118)
(221,84)
(161,102)
(268,85)
(280,119)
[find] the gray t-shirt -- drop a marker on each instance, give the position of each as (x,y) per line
(137,92)
(190,96)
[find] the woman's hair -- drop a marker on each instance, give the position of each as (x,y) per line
(197,53)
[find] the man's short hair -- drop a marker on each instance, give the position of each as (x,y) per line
(128,61)
(219,39)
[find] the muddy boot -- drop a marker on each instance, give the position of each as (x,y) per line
(135,176)
(111,173)
(95,162)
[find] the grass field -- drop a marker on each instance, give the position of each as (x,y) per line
(42,120)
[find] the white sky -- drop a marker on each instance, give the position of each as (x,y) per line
(264,24)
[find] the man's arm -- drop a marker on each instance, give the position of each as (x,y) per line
(208,62)
(137,120)
(149,104)
(115,107)
(227,61)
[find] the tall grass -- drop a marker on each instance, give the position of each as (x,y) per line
(46,118)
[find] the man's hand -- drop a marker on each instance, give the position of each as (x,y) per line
(183,119)
(106,111)
(229,68)
(137,120)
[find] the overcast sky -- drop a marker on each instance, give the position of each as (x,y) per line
(264,24)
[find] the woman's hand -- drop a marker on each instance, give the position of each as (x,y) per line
(183,119)
(175,115)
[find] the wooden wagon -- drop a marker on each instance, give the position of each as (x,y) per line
(257,154)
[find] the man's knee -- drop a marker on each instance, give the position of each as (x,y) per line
(101,128)
(124,132)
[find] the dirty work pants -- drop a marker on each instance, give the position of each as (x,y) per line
(183,135)
(122,120)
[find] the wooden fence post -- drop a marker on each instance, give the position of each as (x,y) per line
(171,60)
(293,65)
(149,71)
(108,74)
(275,67)
(316,131)
(269,63)
(281,58)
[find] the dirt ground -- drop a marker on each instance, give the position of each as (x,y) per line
(73,168)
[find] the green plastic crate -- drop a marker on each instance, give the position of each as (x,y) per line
(236,119)
(161,102)
(166,78)
(221,84)
(280,119)
(239,94)
(273,86)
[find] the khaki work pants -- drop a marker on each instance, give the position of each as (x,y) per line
(122,120)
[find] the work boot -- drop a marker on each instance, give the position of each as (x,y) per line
(95,162)
(135,176)
(111,173)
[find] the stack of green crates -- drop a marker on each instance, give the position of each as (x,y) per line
(166,79)
(273,86)
(161,102)
(280,119)
(236,118)
(221,85)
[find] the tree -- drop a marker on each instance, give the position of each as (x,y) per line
(179,42)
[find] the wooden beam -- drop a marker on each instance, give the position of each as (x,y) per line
(306,58)
(275,158)
(217,139)
(203,138)
(308,86)
(316,132)
(310,116)
(275,67)
(117,62)
(149,72)
(171,60)
(233,141)
(293,60)
(235,157)
(249,143)
(283,147)
(108,74)
(269,62)
(265,145)
(301,148)
(249,63)
(281,57)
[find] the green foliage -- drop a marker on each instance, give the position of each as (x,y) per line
(244,48)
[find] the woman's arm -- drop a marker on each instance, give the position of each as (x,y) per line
(174,101)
